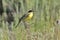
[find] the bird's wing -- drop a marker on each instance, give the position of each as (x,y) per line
(22,18)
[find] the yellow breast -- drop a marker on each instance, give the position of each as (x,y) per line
(29,16)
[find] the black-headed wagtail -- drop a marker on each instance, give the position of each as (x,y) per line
(26,17)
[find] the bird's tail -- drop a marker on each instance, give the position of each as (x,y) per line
(18,23)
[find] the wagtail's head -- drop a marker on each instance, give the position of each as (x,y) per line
(30,11)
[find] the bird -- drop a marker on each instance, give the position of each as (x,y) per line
(26,17)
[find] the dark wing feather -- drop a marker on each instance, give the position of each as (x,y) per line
(22,18)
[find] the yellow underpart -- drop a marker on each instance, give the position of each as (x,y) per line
(29,16)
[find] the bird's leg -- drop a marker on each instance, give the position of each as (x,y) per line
(25,24)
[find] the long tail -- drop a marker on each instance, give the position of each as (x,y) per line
(18,23)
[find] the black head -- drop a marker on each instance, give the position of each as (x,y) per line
(30,11)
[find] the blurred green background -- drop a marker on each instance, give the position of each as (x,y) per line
(43,26)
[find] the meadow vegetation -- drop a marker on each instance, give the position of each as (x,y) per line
(43,25)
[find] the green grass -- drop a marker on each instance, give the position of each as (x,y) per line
(43,25)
